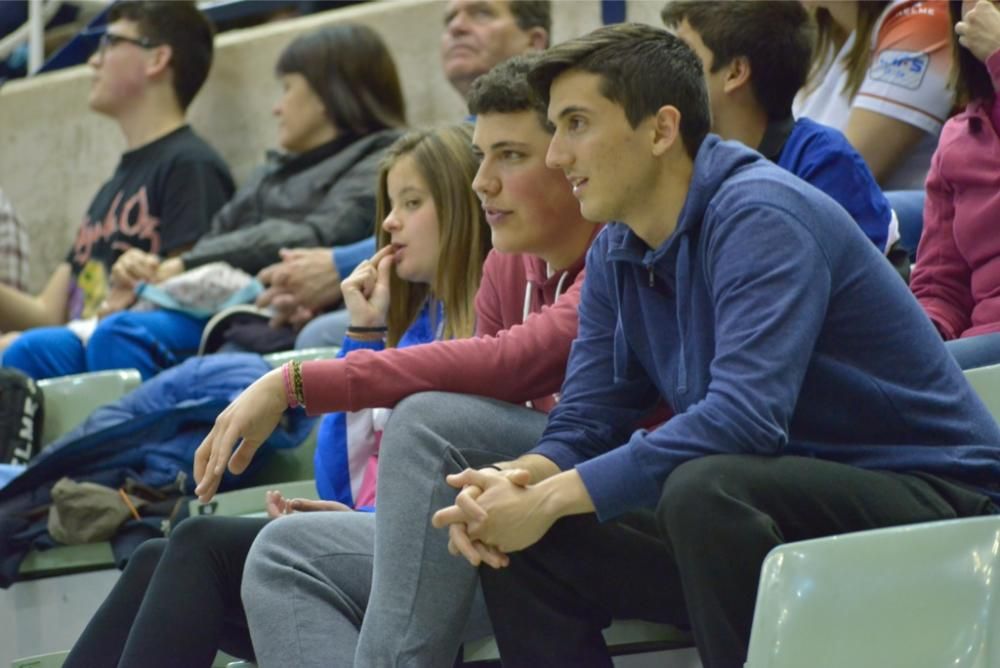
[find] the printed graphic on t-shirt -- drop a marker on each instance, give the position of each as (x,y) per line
(911,63)
(900,68)
(90,290)
(121,229)
(127,224)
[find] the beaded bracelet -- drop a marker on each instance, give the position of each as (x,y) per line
(289,392)
(294,392)
(296,372)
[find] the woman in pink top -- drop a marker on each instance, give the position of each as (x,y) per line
(957,275)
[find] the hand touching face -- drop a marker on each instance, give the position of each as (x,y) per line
(979,29)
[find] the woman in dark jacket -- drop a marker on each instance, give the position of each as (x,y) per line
(340,108)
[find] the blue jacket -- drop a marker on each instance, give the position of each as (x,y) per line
(772,326)
(340,460)
(149,435)
(154,430)
(822,156)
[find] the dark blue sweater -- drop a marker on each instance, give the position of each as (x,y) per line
(772,326)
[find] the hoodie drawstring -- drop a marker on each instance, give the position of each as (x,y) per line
(682,297)
(527,302)
(527,295)
(559,285)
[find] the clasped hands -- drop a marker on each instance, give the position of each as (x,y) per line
(303,284)
(495,513)
(136,266)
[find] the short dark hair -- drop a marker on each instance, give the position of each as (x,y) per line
(970,78)
(179,25)
(776,37)
(350,69)
(505,90)
(642,68)
(532,14)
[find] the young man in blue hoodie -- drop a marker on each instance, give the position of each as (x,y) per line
(811,395)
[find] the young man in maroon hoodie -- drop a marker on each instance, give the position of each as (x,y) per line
(310,574)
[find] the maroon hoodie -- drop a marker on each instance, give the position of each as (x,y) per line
(525,324)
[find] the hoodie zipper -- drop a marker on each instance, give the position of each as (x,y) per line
(651,275)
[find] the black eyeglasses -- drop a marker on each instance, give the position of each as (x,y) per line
(110,39)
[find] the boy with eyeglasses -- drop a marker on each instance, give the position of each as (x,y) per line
(147,69)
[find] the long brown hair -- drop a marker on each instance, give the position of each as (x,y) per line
(830,37)
(447,164)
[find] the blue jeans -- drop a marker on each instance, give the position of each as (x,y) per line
(975,351)
(909,208)
(324,331)
(149,341)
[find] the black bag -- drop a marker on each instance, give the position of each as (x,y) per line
(21,414)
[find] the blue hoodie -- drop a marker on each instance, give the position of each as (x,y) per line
(772,326)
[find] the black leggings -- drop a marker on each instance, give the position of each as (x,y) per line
(177,602)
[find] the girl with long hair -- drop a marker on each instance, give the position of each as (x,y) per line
(880,75)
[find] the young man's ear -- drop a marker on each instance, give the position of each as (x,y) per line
(737,74)
(161,58)
(538,38)
(666,129)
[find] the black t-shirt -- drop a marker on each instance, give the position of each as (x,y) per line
(161,197)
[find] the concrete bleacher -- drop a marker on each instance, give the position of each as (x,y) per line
(55,153)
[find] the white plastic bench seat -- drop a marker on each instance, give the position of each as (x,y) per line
(921,596)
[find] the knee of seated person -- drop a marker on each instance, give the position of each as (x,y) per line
(16,353)
(147,556)
(25,354)
(110,328)
(275,533)
(197,533)
(422,408)
(692,489)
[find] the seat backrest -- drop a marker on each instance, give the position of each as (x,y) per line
(69,400)
(53,660)
(986,382)
(924,595)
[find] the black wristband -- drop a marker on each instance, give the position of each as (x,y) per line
(351,329)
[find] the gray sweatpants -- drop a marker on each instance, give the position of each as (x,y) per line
(343,589)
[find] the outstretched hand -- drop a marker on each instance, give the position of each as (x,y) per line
(278,505)
(366,290)
(248,420)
